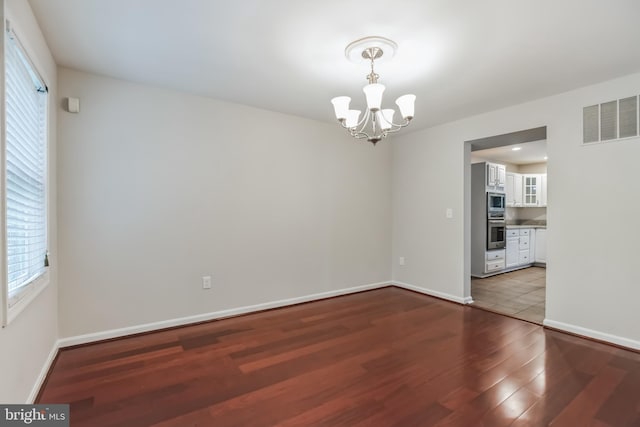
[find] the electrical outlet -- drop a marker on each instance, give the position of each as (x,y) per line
(449,213)
(401,260)
(206,282)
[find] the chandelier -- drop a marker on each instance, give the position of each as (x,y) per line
(377,122)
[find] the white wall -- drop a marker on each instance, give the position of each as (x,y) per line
(592,278)
(425,183)
(27,342)
(158,188)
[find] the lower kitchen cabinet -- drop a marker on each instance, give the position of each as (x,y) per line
(494,261)
(524,247)
(520,247)
(513,250)
(541,245)
(525,244)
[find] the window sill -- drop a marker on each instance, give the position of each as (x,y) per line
(26,296)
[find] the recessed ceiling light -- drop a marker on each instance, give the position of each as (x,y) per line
(545,157)
(516,148)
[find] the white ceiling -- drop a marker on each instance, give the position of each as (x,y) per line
(529,153)
(460,57)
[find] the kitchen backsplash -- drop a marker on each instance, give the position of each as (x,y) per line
(526,214)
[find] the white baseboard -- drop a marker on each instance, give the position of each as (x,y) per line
(147,327)
(43,373)
(433,293)
(601,336)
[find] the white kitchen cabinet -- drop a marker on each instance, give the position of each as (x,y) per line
(524,239)
(541,245)
(527,245)
(532,245)
(531,190)
(502,177)
(513,232)
(513,250)
(496,177)
(494,260)
(520,243)
(528,190)
(510,193)
(514,190)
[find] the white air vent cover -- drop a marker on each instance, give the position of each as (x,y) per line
(591,124)
(610,120)
(628,113)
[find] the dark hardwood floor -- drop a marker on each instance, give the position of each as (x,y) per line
(388,357)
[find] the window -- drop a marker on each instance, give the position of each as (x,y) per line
(24,172)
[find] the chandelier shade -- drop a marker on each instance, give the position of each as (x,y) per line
(373,93)
(352,118)
(406,104)
(341,106)
(377,122)
(386,118)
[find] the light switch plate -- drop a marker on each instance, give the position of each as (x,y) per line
(73,105)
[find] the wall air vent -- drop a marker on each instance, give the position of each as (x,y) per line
(610,121)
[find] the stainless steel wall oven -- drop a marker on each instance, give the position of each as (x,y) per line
(496,234)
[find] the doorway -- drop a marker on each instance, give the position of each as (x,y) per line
(507,274)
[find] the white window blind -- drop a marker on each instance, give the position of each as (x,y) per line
(25,169)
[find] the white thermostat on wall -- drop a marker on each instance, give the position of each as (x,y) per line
(73,105)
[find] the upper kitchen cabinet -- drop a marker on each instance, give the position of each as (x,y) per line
(535,190)
(531,190)
(526,190)
(514,190)
(496,177)
(543,189)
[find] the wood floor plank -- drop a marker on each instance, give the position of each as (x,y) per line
(619,409)
(587,403)
(378,358)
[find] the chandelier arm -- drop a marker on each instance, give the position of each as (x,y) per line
(394,130)
(395,127)
(358,131)
(363,123)
(360,135)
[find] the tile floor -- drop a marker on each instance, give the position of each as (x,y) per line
(520,293)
